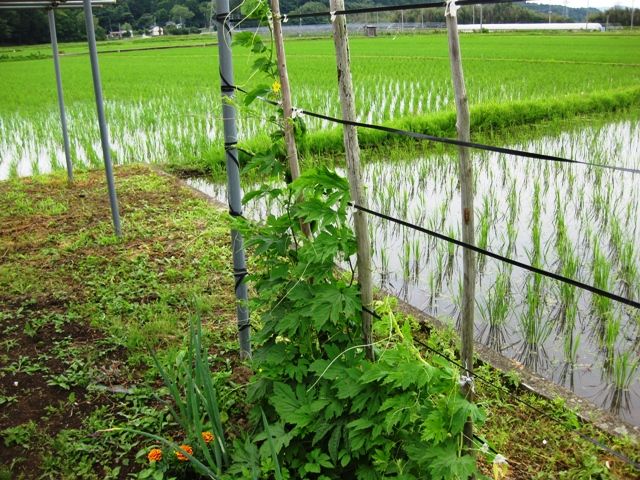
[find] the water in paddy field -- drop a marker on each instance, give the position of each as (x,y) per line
(162,128)
(580,222)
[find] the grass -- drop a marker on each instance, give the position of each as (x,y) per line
(81,310)
(79,323)
(156,99)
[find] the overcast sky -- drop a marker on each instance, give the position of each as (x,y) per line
(591,3)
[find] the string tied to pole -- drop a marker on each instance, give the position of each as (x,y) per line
(467,380)
(451,8)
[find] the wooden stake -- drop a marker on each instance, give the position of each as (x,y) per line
(463,124)
(287,107)
(352,152)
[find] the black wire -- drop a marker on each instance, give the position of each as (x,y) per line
(491,384)
(461,143)
(239,275)
(224,18)
(393,8)
(531,268)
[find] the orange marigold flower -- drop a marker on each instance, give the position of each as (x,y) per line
(207,437)
(155,455)
(181,456)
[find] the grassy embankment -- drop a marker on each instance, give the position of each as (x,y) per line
(81,309)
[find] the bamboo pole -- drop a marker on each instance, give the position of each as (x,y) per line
(463,126)
(287,106)
(352,153)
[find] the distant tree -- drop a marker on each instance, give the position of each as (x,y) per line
(616,16)
(146,20)
(313,7)
(180,13)
(205,10)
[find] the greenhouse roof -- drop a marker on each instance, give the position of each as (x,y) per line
(34,4)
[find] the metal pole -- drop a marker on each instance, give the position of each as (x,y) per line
(234,192)
(104,133)
(63,115)
(466,202)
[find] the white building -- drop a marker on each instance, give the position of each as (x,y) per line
(156,31)
(494,27)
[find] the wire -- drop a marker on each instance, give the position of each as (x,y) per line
(525,266)
(461,143)
(385,8)
(393,8)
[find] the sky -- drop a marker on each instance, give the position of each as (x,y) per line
(590,3)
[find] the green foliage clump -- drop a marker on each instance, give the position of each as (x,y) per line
(332,413)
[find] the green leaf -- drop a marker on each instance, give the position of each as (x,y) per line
(334,443)
(258,91)
(446,464)
(274,454)
(292,407)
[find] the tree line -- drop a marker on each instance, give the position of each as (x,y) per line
(19,27)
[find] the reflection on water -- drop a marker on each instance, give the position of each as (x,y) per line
(577,221)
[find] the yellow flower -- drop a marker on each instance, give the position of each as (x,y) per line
(184,448)
(207,437)
(275,88)
(155,455)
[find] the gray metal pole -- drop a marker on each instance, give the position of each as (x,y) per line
(104,132)
(234,192)
(63,115)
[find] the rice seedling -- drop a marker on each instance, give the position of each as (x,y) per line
(628,268)
(497,308)
(625,366)
(571,346)
(534,328)
(601,270)
(483,234)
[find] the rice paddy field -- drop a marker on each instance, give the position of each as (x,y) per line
(156,99)
(163,106)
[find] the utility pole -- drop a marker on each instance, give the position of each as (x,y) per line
(463,126)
